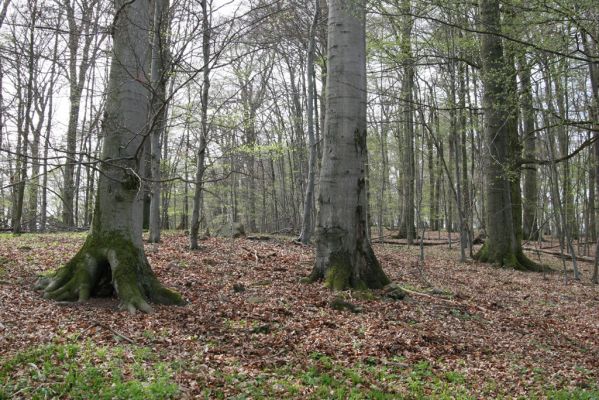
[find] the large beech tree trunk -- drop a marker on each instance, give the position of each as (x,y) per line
(344,256)
(503,245)
(112,259)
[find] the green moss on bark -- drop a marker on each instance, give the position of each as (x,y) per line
(107,261)
(341,275)
(517,260)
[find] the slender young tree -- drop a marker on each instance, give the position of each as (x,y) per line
(112,258)
(344,255)
(201,156)
(307,228)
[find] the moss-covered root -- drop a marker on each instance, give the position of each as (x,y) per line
(135,283)
(517,260)
(344,272)
(72,282)
(101,271)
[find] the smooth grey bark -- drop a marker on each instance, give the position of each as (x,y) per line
(201,156)
(40,108)
(344,255)
(159,69)
(307,226)
(50,95)
(112,259)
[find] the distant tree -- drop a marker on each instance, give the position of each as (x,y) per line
(307,225)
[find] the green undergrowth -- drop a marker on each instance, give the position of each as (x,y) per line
(324,378)
(84,370)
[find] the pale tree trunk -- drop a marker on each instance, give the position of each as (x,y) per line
(344,255)
(160,54)
(307,227)
(50,95)
(112,260)
(201,156)
(502,247)
(40,107)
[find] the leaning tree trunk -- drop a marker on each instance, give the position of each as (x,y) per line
(503,245)
(344,256)
(112,259)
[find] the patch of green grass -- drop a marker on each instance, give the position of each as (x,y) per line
(322,377)
(86,370)
(576,394)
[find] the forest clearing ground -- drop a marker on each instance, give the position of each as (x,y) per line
(480,331)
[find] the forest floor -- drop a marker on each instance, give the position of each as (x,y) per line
(252,329)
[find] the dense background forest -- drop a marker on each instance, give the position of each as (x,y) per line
(240,87)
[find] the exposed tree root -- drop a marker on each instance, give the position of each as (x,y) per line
(107,266)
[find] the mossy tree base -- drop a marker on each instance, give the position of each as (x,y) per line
(511,259)
(343,272)
(107,265)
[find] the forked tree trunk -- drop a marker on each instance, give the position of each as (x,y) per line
(344,256)
(112,259)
